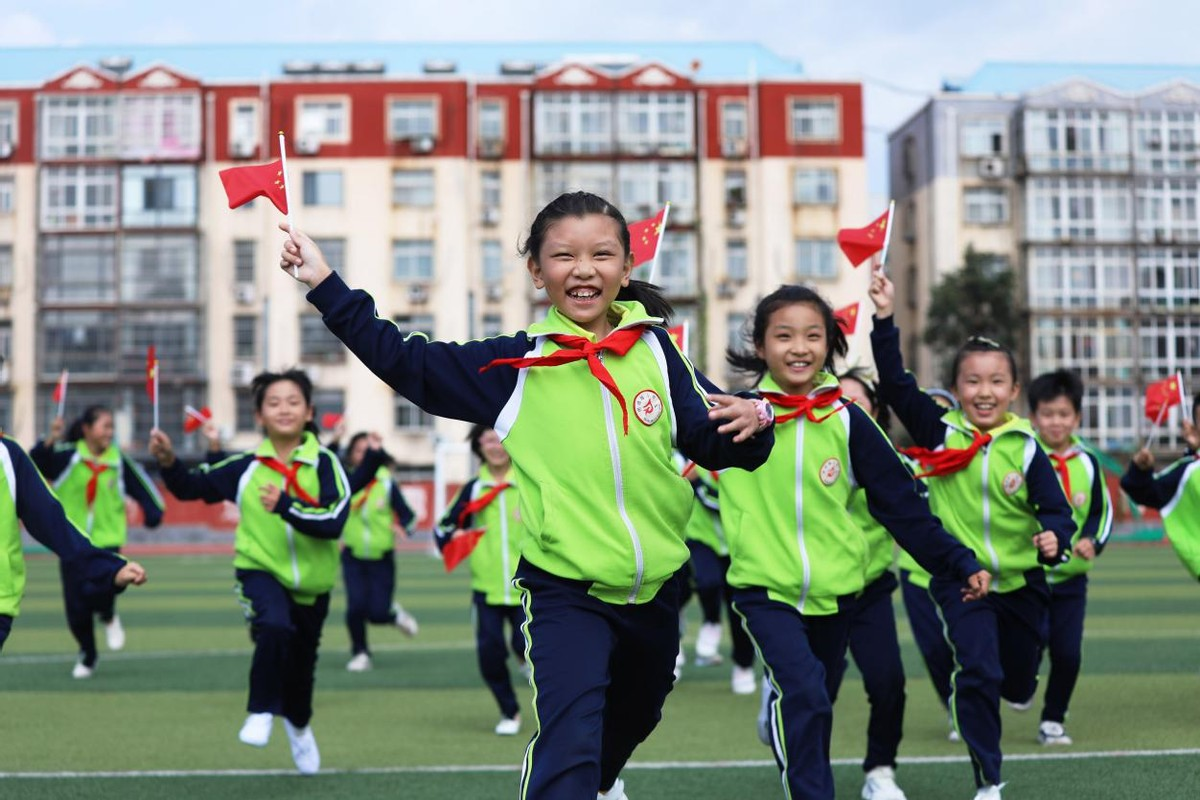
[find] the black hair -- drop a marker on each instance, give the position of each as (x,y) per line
(1052,385)
(88,417)
(474,437)
(981,344)
(264,380)
(883,416)
(786,295)
(580,204)
(355,439)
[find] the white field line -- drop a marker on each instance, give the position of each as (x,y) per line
(650,765)
(152,655)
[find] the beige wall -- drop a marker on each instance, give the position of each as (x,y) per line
(20,230)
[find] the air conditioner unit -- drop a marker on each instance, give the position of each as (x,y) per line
(243,148)
(418,293)
(491,148)
(490,215)
(737,217)
(494,292)
(422,144)
(733,148)
(6,149)
(244,293)
(308,145)
(992,168)
(243,373)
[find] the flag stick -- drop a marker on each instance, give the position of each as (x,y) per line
(658,244)
(1162,412)
(887,237)
(62,395)
(156,393)
(288,195)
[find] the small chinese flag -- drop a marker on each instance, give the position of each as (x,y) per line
(194,419)
(243,184)
(329,420)
(60,389)
(460,547)
(680,334)
(644,236)
(1161,395)
(859,244)
(847,318)
(151,373)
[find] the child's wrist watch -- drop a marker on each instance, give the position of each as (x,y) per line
(766,413)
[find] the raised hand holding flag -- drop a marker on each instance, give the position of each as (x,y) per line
(194,419)
(460,547)
(1160,396)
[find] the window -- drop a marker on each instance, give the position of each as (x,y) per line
(572,123)
(982,137)
(412,260)
(244,401)
(1077,139)
(5,346)
(245,337)
(656,122)
(1078,208)
(243,260)
(735,188)
(334,250)
(816,187)
(492,258)
(78,269)
(1167,210)
(493,325)
(244,129)
(736,266)
(78,126)
(158,196)
(412,187)
(322,187)
(409,417)
(328,401)
(8,123)
(985,205)
(1166,141)
(815,258)
(409,324)
(1169,278)
(644,187)
(174,333)
(157,269)
(490,189)
(82,341)
(677,264)
(815,121)
(552,179)
(8,193)
(160,125)
(410,118)
(325,119)
(6,266)
(79,197)
(491,124)
(735,126)
(317,344)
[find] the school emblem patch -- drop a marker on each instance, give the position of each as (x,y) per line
(830,471)
(1013,482)
(1079,499)
(647,406)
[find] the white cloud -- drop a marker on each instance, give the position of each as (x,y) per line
(21,29)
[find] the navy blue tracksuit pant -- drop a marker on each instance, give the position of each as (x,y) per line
(600,673)
(875,647)
(803,657)
(491,647)
(5,627)
(708,574)
(998,643)
(1068,600)
(286,636)
(929,635)
(81,607)
(370,585)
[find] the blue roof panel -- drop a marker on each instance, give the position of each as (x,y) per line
(1013,78)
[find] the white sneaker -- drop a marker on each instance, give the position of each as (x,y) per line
(509,726)
(881,785)
(617,792)
(304,748)
(360,663)
(405,621)
(680,660)
(1053,733)
(989,793)
(1022,707)
(707,642)
(114,634)
(82,671)
(742,680)
(256,730)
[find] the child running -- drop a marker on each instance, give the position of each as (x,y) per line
(489,503)
(92,477)
(368,542)
(995,490)
(798,557)
(293,498)
(589,403)
(25,499)
(1056,405)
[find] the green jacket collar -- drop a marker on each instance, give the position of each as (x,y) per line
(306,453)
(111,456)
(1012,424)
(623,313)
(486,478)
(824,382)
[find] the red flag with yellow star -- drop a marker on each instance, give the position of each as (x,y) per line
(1161,395)
(859,244)
(847,318)
(644,236)
(243,184)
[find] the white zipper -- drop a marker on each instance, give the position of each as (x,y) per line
(799,428)
(615,454)
(504,546)
(366,522)
(987,514)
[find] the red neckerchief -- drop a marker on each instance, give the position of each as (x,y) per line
(948,460)
(1064,475)
(804,405)
(355,505)
(577,348)
(93,482)
(480,503)
(290,484)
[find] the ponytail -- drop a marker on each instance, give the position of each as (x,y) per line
(650,296)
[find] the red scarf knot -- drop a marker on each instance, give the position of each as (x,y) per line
(291,485)
(578,348)
(93,482)
(948,460)
(804,405)
(1064,475)
(480,503)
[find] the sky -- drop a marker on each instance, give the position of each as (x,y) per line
(901,51)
